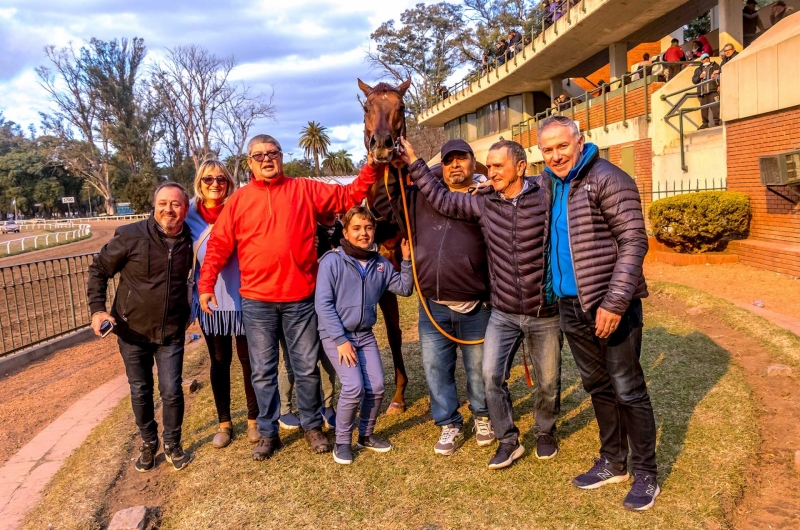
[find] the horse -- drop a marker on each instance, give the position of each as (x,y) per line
(384,123)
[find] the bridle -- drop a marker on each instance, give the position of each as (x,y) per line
(396,146)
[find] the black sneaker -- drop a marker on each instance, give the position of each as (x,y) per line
(147,457)
(343,454)
(505,455)
(603,472)
(176,456)
(643,492)
(374,443)
(546,447)
(266,447)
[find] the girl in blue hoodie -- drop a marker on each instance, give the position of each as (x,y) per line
(350,282)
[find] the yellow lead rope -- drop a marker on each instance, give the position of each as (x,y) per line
(414,261)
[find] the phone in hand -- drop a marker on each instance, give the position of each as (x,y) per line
(106,327)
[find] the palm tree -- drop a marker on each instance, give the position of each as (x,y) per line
(315,141)
(338,163)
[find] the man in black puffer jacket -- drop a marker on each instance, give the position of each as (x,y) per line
(514,216)
(150,312)
(598,244)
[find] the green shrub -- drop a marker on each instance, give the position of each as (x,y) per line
(700,222)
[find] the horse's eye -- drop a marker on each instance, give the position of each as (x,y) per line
(366,110)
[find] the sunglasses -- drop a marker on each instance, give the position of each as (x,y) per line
(272,155)
(208,181)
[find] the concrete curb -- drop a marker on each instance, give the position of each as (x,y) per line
(34,353)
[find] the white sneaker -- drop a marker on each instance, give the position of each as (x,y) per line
(484,434)
(450,440)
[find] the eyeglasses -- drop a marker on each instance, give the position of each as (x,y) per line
(208,181)
(272,155)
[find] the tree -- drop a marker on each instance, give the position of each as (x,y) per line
(298,168)
(338,163)
(315,141)
(192,86)
(237,114)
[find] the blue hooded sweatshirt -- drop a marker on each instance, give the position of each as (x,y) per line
(560,254)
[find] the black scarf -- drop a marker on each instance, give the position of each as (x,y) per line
(356,252)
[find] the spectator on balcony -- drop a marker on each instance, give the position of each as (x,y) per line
(706,77)
(779,11)
(674,54)
(485,63)
(697,50)
(641,68)
(706,46)
(556,10)
(442,92)
(751,22)
(547,15)
(561,103)
(728,53)
(514,39)
(500,52)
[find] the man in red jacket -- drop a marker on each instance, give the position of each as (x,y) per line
(271,224)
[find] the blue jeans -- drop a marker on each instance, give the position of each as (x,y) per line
(439,357)
(543,341)
(138,358)
(362,384)
(262,321)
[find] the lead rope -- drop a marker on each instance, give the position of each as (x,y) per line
(414,261)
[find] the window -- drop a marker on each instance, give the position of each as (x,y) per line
(503,114)
(514,110)
(604,153)
(628,161)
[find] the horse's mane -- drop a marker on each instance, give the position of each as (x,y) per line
(383,87)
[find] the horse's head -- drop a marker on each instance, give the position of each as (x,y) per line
(384,118)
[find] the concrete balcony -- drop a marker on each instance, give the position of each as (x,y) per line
(576,45)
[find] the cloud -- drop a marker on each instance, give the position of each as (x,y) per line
(309,51)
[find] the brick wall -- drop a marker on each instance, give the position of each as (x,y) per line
(774,219)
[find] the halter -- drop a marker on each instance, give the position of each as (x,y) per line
(382,88)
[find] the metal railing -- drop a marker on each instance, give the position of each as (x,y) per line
(44,299)
(81,231)
(521,48)
(658,193)
(681,133)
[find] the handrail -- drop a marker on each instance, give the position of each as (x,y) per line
(687,89)
(684,167)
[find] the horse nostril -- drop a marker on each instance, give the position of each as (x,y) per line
(372,142)
(388,142)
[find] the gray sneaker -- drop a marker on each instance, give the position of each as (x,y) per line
(484,434)
(449,441)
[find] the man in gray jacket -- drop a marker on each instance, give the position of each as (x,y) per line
(597,249)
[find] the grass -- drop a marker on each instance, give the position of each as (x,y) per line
(42,247)
(781,343)
(707,430)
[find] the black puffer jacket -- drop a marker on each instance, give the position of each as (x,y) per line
(151,304)
(450,253)
(607,237)
(516,235)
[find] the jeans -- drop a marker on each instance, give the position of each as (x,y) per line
(220,350)
(543,340)
(361,384)
(613,377)
(286,380)
(138,358)
(439,357)
(263,322)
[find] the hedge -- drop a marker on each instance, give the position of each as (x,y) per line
(700,222)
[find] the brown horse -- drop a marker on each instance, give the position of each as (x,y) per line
(384,123)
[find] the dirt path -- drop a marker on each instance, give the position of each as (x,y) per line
(31,398)
(771,499)
(102,231)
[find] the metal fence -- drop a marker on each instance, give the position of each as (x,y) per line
(44,299)
(689,186)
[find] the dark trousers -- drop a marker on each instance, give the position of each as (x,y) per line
(710,111)
(298,321)
(220,350)
(138,358)
(613,377)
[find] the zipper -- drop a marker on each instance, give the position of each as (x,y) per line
(125,307)
(569,245)
(514,255)
(166,295)
(363,292)
(269,201)
(558,261)
(439,265)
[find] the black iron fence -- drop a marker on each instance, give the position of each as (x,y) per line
(44,299)
(688,186)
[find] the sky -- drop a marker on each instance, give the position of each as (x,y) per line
(309,52)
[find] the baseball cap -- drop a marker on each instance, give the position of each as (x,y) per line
(460,146)
(704,56)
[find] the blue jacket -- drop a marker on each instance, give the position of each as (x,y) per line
(227,317)
(347,295)
(560,254)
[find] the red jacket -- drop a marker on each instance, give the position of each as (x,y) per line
(674,54)
(272,226)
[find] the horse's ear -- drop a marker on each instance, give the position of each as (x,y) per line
(365,88)
(404,86)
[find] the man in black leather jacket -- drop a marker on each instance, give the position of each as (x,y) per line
(150,313)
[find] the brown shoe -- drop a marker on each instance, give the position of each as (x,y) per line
(253,435)
(317,441)
(267,445)
(223,437)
